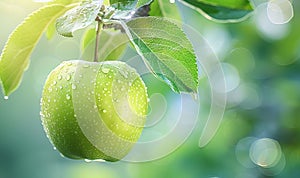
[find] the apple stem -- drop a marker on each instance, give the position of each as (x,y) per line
(99,28)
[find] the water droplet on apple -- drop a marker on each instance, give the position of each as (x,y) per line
(68,77)
(105,70)
(68,97)
(74,87)
(59,77)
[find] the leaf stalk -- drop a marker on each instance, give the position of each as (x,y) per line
(99,28)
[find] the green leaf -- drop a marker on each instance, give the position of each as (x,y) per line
(169,56)
(78,17)
(221,10)
(141,3)
(50,32)
(112,44)
(163,8)
(87,38)
(129,4)
(14,59)
(64,2)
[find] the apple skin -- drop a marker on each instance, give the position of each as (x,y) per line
(112,100)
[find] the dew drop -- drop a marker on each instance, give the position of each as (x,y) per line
(74,87)
(68,77)
(60,87)
(68,97)
(104,111)
(54,148)
(54,82)
(95,106)
(59,77)
(105,70)
(6,97)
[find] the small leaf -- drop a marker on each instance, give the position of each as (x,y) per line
(78,17)
(141,3)
(163,8)
(221,10)
(112,44)
(169,56)
(14,59)
(50,32)
(129,4)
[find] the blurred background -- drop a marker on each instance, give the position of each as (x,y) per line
(258,137)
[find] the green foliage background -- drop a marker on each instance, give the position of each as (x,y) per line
(26,152)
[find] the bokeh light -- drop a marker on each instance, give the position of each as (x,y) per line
(280,11)
(265,152)
(268,29)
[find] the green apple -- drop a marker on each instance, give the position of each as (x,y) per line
(94,110)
